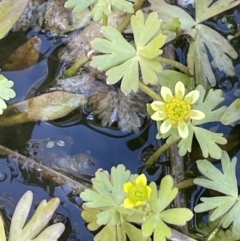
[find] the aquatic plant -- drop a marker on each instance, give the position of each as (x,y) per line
(34,229)
(6,92)
(125,205)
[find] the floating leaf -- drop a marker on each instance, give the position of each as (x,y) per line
(32,230)
(208,141)
(226,183)
(232,114)
(100,7)
(159,200)
(5,92)
(10,11)
(206,9)
(198,61)
(122,60)
(208,103)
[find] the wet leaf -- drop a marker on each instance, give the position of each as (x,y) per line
(32,230)
(100,7)
(209,142)
(10,11)
(232,113)
(122,60)
(206,9)
(6,92)
(159,200)
(24,57)
(198,61)
(226,183)
(169,12)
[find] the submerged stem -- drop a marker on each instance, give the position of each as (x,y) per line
(153,158)
(149,91)
(175,64)
(73,70)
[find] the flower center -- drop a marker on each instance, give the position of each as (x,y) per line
(177,110)
(138,193)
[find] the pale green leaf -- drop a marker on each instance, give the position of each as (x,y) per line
(205,9)
(207,104)
(220,49)
(2,231)
(225,181)
(168,12)
(221,205)
(100,7)
(169,78)
(33,229)
(132,232)
(108,232)
(185,145)
(6,91)
(176,216)
(10,11)
(232,113)
(122,60)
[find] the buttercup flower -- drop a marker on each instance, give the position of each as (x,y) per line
(176,110)
(137,192)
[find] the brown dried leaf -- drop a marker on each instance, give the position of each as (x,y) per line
(24,57)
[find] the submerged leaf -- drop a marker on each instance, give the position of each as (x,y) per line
(10,11)
(206,9)
(198,61)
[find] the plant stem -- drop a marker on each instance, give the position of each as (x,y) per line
(175,64)
(137,5)
(153,158)
(105,20)
(185,184)
(149,91)
(73,70)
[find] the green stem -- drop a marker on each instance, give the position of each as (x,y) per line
(149,91)
(185,184)
(122,26)
(73,70)
(175,64)
(105,20)
(153,158)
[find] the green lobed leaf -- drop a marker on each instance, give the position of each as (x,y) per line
(205,9)
(122,60)
(10,11)
(168,12)
(2,231)
(198,61)
(225,181)
(108,232)
(232,113)
(208,103)
(185,145)
(132,232)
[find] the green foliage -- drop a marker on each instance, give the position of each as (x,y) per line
(104,206)
(224,182)
(10,11)
(122,60)
(33,230)
(100,7)
(5,92)
(232,114)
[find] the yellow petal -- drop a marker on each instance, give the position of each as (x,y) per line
(159,116)
(128,203)
(141,180)
(127,187)
(179,90)
(192,97)
(183,129)
(166,93)
(140,203)
(196,114)
(157,105)
(149,190)
(166,126)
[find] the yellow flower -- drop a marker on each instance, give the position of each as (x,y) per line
(137,191)
(176,110)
